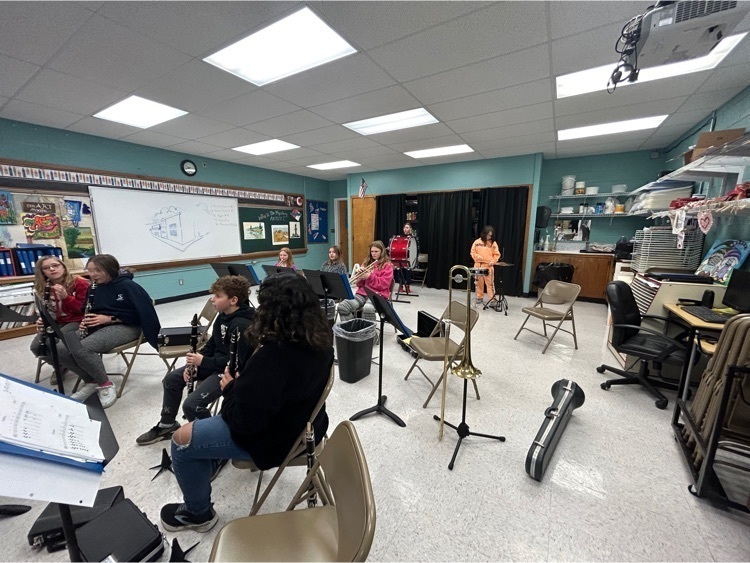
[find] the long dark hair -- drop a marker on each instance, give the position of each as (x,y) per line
(289,311)
(486,233)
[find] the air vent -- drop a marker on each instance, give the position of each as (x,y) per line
(691,10)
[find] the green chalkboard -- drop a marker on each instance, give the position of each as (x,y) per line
(263,229)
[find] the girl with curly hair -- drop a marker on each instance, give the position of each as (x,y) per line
(265,408)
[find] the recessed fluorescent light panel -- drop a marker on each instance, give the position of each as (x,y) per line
(139,112)
(611,128)
(333,165)
(297,43)
(440,151)
(266,147)
(392,122)
(595,79)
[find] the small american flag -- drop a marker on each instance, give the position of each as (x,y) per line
(362,188)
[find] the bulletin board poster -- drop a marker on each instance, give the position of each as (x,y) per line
(317,222)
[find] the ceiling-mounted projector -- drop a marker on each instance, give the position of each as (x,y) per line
(672,32)
(677,31)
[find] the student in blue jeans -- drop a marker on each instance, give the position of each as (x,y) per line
(265,407)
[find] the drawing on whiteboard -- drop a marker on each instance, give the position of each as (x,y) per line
(172,227)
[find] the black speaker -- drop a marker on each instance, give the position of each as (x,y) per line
(542,217)
(708,299)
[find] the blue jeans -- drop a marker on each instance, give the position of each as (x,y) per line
(194,463)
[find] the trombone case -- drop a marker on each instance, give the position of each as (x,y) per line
(566,396)
(178,335)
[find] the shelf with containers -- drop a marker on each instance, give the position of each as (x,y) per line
(585,199)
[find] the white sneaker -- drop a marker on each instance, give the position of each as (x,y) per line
(84,392)
(107,395)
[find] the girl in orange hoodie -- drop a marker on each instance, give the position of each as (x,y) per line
(486,254)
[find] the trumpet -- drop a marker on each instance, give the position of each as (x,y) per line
(361,271)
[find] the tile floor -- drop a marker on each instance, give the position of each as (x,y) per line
(615,490)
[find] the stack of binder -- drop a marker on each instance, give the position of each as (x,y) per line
(6,263)
(26,255)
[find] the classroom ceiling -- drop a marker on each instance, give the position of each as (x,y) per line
(485,70)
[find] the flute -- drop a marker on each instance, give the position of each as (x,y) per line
(83,332)
(191,369)
(45,302)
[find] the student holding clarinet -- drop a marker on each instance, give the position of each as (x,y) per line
(230,298)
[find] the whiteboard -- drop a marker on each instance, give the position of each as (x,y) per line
(142,227)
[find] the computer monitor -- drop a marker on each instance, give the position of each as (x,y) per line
(737,295)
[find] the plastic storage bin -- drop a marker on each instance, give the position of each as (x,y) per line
(354,341)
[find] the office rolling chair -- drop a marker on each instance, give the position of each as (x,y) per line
(646,344)
(341,531)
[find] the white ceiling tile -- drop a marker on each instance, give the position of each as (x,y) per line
(370,152)
(343,78)
(604,148)
(412,134)
(536,139)
(577,18)
(448,159)
(248,108)
(727,77)
(194,147)
(515,96)
(510,131)
(39,115)
(237,137)
(196,28)
(685,118)
(370,104)
(319,136)
(502,152)
(501,72)
(107,53)
(14,74)
(295,122)
(229,155)
(103,128)
(368,25)
(34,31)
(61,91)
(497,30)
(427,143)
(194,86)
(710,101)
(658,107)
(153,139)
(501,118)
(191,126)
(590,49)
(340,147)
(631,138)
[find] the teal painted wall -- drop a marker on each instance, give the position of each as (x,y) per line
(631,168)
(34,143)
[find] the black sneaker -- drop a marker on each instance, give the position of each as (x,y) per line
(218,466)
(175,517)
(157,434)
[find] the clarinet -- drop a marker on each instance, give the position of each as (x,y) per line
(312,497)
(45,302)
(191,369)
(234,357)
(83,332)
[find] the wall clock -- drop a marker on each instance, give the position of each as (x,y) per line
(188,167)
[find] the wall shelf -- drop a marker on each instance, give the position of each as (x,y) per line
(593,196)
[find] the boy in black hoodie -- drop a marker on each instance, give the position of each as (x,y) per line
(230,298)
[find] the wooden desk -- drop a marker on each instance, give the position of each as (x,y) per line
(697,326)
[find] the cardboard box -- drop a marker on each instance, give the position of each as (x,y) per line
(711,139)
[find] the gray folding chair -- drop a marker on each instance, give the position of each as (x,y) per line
(555,304)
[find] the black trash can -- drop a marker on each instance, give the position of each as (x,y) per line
(354,341)
(547,271)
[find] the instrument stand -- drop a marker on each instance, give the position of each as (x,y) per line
(386,313)
(403,265)
(50,336)
(498,302)
(463,429)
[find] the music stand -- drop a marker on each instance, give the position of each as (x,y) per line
(499,304)
(221,269)
(52,334)
(386,314)
(271,270)
(246,271)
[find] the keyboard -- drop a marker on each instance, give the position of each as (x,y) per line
(706,314)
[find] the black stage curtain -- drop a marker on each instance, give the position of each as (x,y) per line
(505,209)
(390,216)
(445,233)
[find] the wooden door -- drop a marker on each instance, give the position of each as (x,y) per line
(362,227)
(342,228)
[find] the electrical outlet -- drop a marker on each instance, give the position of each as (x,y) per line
(181,282)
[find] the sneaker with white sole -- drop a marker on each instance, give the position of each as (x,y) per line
(157,434)
(107,395)
(84,392)
(175,517)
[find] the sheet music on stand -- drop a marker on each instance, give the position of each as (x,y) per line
(49,447)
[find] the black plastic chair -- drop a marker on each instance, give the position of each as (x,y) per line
(646,344)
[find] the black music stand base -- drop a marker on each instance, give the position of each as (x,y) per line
(463,429)
(380,407)
(499,304)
